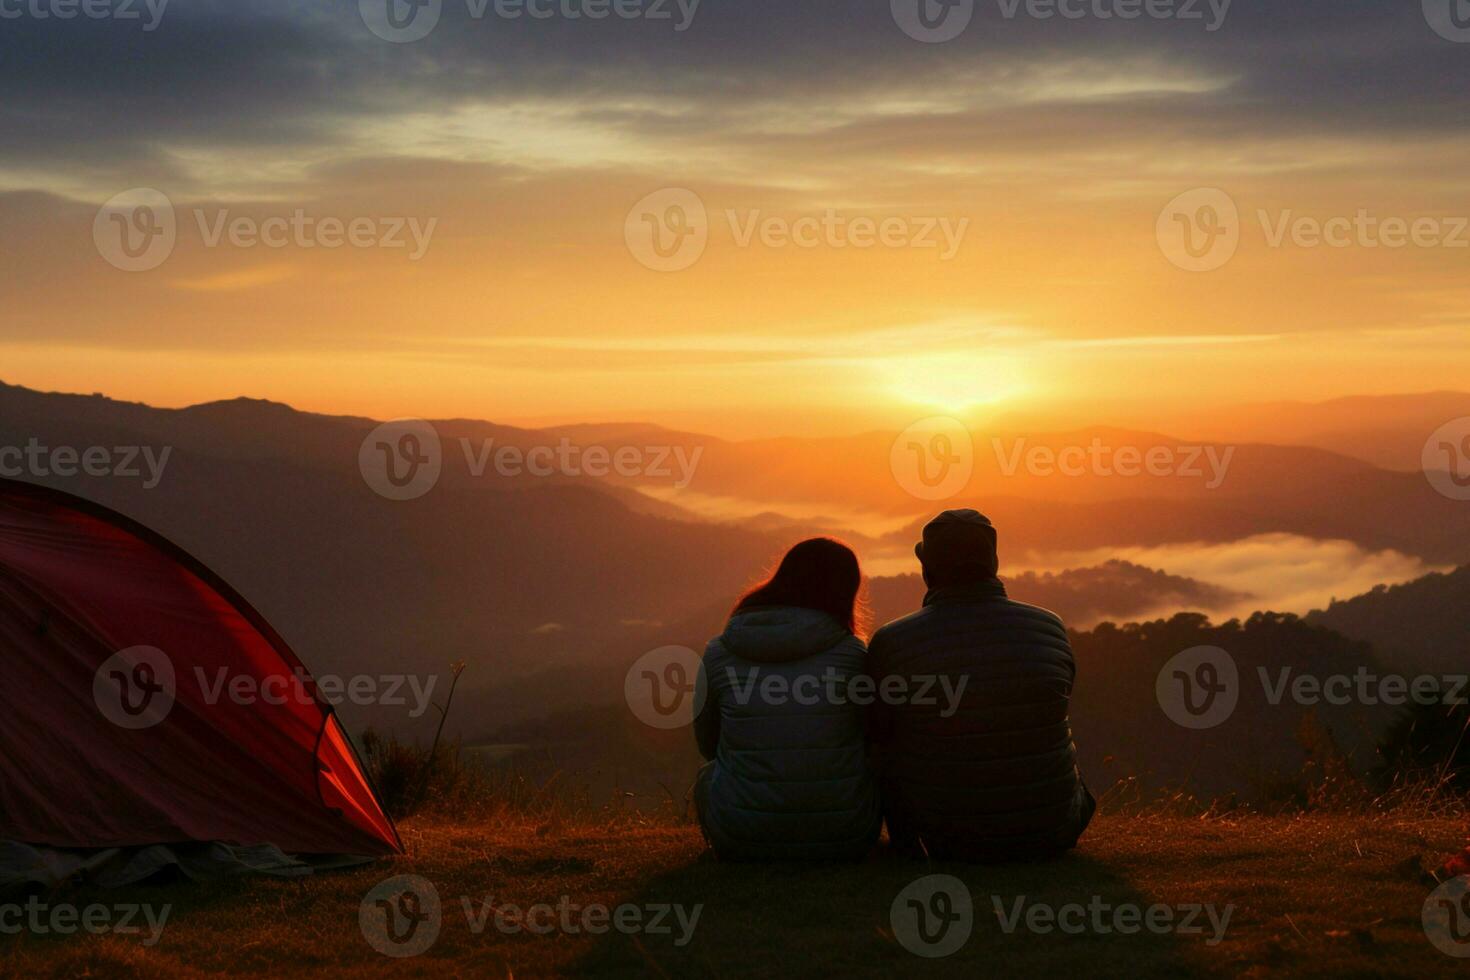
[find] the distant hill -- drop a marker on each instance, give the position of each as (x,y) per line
(1083,597)
(513,575)
(1388,431)
(551,586)
(1423,625)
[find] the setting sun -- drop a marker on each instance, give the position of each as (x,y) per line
(956,382)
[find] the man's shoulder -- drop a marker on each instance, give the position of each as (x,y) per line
(897,627)
(1037,612)
(1001,605)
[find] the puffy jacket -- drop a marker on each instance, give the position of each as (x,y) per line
(790,777)
(992,773)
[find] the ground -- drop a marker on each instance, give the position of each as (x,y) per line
(1311,895)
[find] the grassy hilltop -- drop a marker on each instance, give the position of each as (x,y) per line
(1314,895)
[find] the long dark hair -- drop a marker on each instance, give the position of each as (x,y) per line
(819,573)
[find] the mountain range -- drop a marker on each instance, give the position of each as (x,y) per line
(550,586)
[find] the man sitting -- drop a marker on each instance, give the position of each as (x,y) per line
(992,776)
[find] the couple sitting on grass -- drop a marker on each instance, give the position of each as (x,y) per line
(951,726)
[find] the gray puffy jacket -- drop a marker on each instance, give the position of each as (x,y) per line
(994,774)
(790,777)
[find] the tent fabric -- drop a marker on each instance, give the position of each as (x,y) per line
(237,746)
(24,868)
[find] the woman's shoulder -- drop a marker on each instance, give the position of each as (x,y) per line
(714,647)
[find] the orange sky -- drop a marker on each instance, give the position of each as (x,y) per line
(1054,295)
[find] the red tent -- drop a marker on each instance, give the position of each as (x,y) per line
(143,701)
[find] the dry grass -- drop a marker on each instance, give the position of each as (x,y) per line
(1313,895)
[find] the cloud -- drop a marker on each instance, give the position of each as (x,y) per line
(272,79)
(228,282)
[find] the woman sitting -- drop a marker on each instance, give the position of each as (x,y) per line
(788,777)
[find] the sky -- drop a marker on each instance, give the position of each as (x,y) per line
(748,217)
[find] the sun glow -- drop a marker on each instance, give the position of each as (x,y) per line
(958,381)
